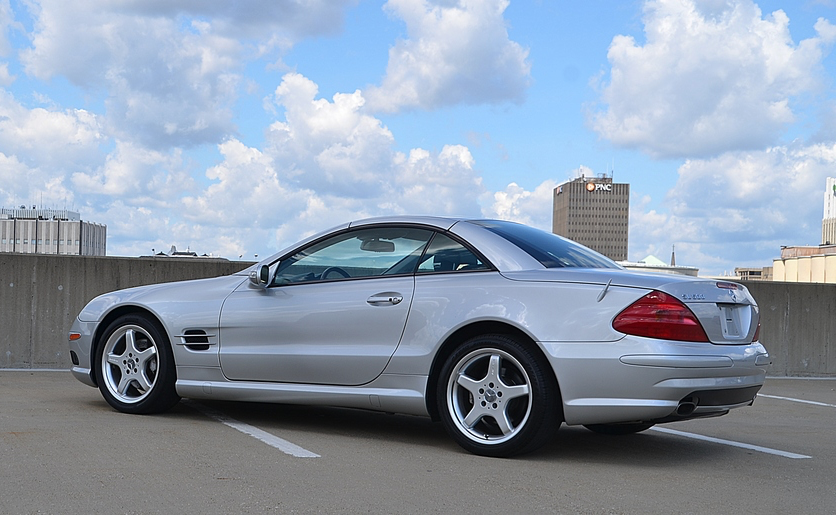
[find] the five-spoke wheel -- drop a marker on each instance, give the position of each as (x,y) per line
(496,399)
(136,371)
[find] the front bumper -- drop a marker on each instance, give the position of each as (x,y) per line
(80,351)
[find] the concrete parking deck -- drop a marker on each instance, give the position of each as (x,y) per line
(64,450)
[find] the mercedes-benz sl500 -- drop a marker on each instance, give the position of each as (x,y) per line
(501,331)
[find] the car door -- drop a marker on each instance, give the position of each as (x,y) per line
(333,314)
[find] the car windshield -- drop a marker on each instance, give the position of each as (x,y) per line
(551,250)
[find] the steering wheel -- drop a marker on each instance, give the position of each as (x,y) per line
(330,269)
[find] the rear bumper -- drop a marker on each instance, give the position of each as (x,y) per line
(710,403)
(647,380)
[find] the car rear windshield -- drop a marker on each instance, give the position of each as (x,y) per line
(551,250)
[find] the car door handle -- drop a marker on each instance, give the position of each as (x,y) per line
(380,299)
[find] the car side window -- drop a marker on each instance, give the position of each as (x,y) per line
(447,255)
(360,253)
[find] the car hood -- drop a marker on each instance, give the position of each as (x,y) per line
(215,288)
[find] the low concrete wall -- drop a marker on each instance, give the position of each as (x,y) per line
(40,295)
(798,327)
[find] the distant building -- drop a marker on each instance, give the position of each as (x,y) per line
(50,231)
(593,212)
(806,265)
(812,264)
(188,253)
(753,274)
(828,223)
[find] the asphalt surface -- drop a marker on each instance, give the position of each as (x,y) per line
(64,450)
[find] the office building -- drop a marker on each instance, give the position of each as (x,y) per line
(809,264)
(50,231)
(828,223)
(753,273)
(806,264)
(594,212)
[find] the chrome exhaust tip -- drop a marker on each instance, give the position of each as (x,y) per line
(685,408)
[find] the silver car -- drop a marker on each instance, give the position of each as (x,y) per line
(499,330)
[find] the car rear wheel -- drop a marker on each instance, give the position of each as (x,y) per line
(135,370)
(619,429)
(496,398)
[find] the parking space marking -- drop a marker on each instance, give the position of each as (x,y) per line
(751,447)
(271,440)
(814,403)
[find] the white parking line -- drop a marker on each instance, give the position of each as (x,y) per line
(814,403)
(751,447)
(271,440)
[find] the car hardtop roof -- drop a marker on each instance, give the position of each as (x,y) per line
(442,222)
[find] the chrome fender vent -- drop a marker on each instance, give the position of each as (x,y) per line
(196,339)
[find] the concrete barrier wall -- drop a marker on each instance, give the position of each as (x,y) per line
(40,295)
(798,327)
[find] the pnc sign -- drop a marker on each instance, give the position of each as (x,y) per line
(595,186)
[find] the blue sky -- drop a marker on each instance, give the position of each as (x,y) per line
(237,128)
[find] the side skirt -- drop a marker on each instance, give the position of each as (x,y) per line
(380,395)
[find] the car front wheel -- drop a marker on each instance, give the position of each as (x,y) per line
(496,398)
(135,371)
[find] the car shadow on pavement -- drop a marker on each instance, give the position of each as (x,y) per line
(328,421)
(647,449)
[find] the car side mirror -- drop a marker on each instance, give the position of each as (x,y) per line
(260,276)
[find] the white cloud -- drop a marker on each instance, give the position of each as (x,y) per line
(738,209)
(21,184)
(456,53)
(328,146)
(442,184)
(168,74)
(519,205)
(54,141)
(711,77)
(257,19)
(6,79)
(171,69)
(325,163)
(6,23)
(247,192)
(138,175)
(12,172)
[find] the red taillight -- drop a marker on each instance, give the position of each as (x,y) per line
(659,315)
(757,333)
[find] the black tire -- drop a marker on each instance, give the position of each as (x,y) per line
(619,429)
(135,366)
(496,398)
